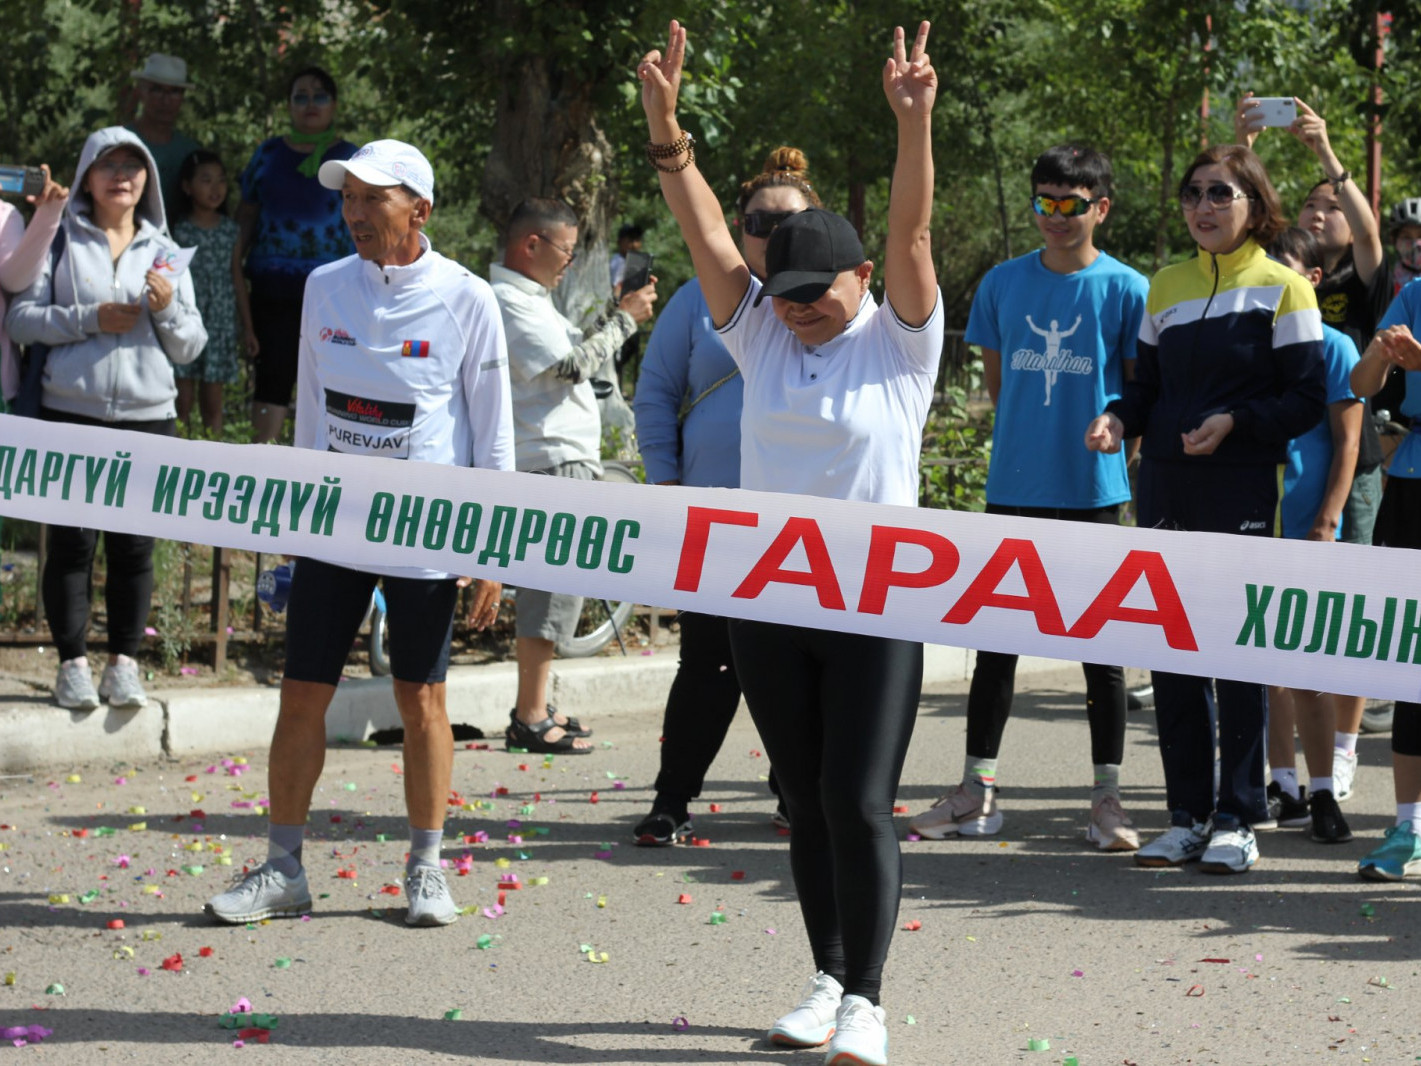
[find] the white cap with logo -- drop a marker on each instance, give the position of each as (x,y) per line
(383,163)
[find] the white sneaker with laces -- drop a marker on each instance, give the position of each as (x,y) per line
(860,1035)
(812,1022)
(1110,827)
(1176,846)
(74,686)
(1344,774)
(430,902)
(120,686)
(262,893)
(1232,850)
(961,812)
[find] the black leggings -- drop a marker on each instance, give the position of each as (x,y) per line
(1399,526)
(994,677)
(68,582)
(700,707)
(835,712)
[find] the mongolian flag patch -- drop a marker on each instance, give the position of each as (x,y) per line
(415,350)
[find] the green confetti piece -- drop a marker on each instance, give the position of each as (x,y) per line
(351,786)
(193,871)
(382,838)
(453,1015)
(89,896)
(541,830)
(324,895)
(55,989)
(910,1020)
(524,855)
(283,963)
(527,808)
(1038,1044)
(717,918)
(1070,1060)
(105,831)
(1368,910)
(484,942)
(516,751)
(611,776)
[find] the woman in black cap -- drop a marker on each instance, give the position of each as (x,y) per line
(836,392)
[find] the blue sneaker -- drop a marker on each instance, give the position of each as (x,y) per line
(1398,856)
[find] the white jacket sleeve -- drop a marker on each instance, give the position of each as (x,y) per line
(179,325)
(310,403)
(487,390)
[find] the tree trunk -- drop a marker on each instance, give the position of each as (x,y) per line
(547,142)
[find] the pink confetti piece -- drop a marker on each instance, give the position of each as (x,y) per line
(680,1025)
(143,971)
(149,631)
(242,1006)
(769,932)
(1077,973)
(913,836)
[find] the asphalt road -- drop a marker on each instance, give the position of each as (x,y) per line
(1025,938)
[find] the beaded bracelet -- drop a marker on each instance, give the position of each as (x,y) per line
(657,152)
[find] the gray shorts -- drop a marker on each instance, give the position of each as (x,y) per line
(552,615)
(1359,513)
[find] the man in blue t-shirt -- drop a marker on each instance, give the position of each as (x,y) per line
(1057,330)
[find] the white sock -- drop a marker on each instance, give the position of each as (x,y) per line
(1409,812)
(1320,784)
(1107,781)
(1345,742)
(979,775)
(1286,778)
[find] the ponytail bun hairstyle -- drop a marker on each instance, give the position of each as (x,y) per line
(785,167)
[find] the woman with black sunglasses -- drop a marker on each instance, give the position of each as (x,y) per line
(837,389)
(688,400)
(1229,369)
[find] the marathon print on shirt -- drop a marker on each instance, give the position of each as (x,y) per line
(1053,360)
(358,426)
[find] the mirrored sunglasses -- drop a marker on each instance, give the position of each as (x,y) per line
(306,99)
(1068,206)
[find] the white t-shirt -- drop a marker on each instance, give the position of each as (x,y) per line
(406,363)
(842,420)
(553,421)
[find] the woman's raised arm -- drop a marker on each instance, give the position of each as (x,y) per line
(910,83)
(722,272)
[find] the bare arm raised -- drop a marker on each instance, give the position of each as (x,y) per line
(910,83)
(722,272)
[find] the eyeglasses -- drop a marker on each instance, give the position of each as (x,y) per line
(128,168)
(1067,206)
(1219,195)
(306,99)
(763,223)
(570,253)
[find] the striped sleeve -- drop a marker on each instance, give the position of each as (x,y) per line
(1299,401)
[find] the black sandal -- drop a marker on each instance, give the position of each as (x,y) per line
(573,727)
(532,738)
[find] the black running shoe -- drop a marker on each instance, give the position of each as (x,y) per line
(662,828)
(1328,825)
(1284,810)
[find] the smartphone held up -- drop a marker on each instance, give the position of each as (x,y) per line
(17,180)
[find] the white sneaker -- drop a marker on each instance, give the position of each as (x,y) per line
(1178,845)
(120,686)
(430,902)
(1230,851)
(74,686)
(263,893)
(860,1035)
(812,1022)
(1344,774)
(1110,827)
(960,812)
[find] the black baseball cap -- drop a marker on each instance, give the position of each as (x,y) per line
(806,253)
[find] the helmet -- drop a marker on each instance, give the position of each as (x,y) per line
(1406,213)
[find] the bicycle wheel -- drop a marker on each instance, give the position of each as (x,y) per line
(601,621)
(379,640)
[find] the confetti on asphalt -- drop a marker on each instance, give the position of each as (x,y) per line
(680,1025)
(20,1035)
(453,1015)
(1037,1043)
(912,926)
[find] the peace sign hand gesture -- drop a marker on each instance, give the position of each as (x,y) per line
(660,77)
(909,81)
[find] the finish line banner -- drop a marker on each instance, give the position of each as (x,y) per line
(1332,617)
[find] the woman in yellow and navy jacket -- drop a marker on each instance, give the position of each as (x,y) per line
(1229,369)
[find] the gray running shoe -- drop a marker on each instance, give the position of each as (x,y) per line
(120,686)
(263,893)
(74,687)
(430,902)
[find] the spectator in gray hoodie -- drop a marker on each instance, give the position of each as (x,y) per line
(114,327)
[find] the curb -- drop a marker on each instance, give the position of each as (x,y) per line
(239,720)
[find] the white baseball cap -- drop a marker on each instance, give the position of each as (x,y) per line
(383,163)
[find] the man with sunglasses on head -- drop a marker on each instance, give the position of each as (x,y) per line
(1057,330)
(557,430)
